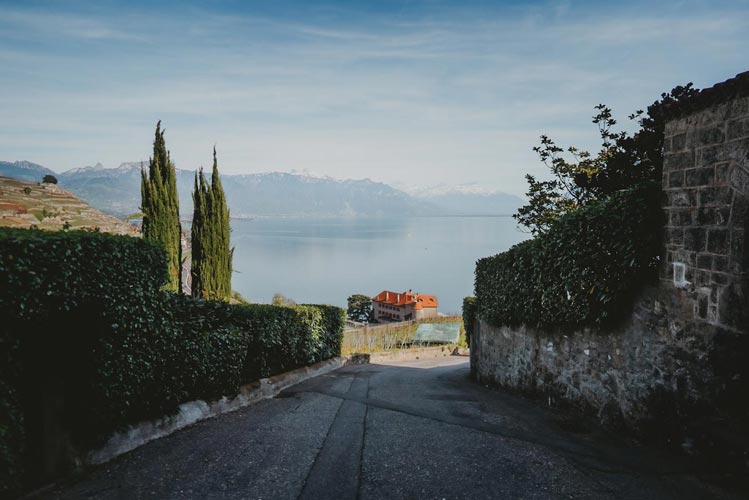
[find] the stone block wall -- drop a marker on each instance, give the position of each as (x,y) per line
(706,182)
(682,358)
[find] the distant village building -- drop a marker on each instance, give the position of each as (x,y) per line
(393,306)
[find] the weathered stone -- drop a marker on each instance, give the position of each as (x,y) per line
(719,278)
(667,144)
(679,161)
(712,135)
(704,261)
(695,238)
(731,306)
(702,303)
(700,176)
(676,178)
(679,141)
(739,180)
(738,129)
(722,172)
(674,236)
(718,241)
(715,196)
(701,278)
(720,263)
(681,197)
(712,216)
(680,217)
(710,155)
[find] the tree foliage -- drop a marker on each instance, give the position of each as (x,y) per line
(359,308)
(211,249)
(160,207)
(49,179)
(578,177)
(585,270)
(282,300)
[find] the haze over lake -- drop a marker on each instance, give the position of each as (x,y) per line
(324,260)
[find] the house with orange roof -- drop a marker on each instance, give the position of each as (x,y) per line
(406,306)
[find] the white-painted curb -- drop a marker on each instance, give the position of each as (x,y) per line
(195,411)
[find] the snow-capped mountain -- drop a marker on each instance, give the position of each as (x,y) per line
(117,191)
(24,171)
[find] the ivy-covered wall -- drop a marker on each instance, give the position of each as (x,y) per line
(674,364)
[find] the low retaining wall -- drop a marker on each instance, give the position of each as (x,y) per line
(652,377)
(195,411)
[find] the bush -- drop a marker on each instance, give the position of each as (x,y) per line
(84,312)
(585,271)
(469,317)
(334,323)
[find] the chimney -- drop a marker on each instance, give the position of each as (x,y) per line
(387,296)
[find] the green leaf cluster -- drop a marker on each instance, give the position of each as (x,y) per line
(160,207)
(360,308)
(469,317)
(579,177)
(86,313)
(585,270)
(211,249)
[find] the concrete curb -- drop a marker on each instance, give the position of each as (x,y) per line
(195,411)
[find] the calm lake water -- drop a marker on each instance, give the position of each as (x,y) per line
(326,260)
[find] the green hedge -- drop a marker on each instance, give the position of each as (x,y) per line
(585,271)
(84,312)
(469,317)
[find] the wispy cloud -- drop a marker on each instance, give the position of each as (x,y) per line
(25,22)
(461,91)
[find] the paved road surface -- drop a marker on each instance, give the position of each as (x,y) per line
(411,430)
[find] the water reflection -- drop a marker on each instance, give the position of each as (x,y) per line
(326,260)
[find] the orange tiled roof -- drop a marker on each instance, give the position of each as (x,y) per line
(418,300)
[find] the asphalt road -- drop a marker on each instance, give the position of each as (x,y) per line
(410,430)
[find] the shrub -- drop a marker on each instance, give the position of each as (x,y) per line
(585,271)
(469,317)
(333,325)
(86,311)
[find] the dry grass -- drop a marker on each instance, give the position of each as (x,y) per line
(389,337)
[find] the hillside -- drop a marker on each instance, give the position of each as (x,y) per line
(24,170)
(46,206)
(117,191)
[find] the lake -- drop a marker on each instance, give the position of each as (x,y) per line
(325,260)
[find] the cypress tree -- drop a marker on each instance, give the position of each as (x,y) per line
(211,251)
(198,225)
(222,251)
(160,207)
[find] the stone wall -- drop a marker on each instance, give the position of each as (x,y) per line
(682,358)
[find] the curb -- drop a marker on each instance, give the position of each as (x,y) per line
(195,411)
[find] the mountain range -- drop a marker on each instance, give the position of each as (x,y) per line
(117,191)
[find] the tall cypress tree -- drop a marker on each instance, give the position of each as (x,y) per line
(160,207)
(211,250)
(201,247)
(222,251)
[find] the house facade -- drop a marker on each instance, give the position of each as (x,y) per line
(405,306)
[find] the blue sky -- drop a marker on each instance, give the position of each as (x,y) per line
(407,92)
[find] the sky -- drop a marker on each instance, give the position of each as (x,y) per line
(411,93)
